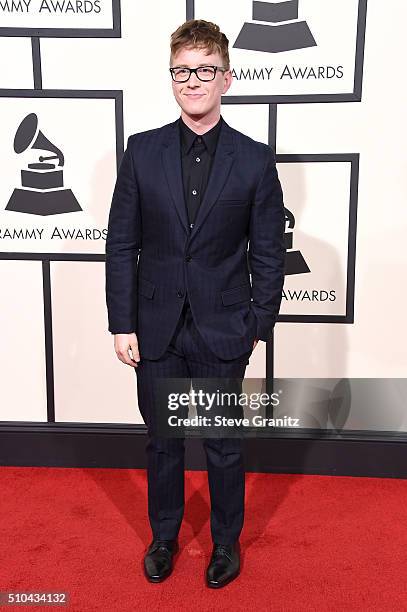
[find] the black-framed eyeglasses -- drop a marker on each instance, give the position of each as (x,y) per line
(204,73)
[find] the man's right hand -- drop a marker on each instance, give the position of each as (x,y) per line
(122,344)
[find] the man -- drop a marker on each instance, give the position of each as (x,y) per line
(190,197)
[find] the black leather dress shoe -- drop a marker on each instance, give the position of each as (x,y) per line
(158,559)
(224,565)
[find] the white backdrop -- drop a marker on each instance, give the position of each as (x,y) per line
(88,383)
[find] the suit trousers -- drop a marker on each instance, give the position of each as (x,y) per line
(188,357)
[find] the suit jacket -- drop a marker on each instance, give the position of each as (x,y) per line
(153,258)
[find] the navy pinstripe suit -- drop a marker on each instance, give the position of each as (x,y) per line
(186,292)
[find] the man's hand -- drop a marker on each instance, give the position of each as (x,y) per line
(122,344)
(255,342)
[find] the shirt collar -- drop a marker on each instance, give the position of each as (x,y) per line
(188,136)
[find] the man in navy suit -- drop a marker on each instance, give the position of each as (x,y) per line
(196,209)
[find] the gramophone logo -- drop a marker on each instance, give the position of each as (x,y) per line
(282,32)
(42,189)
(295,262)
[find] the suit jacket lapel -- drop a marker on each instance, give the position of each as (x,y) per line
(221,166)
(171,158)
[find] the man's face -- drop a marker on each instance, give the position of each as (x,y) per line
(198,98)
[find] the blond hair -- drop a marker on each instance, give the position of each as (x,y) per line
(200,34)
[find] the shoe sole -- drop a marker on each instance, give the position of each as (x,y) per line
(219,586)
(155,580)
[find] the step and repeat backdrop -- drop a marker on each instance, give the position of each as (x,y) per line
(321,82)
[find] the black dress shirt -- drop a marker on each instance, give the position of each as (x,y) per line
(197,153)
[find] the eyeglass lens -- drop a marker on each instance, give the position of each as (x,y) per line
(205,73)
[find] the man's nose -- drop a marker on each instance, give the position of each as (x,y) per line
(193,80)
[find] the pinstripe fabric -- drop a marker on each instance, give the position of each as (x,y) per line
(188,357)
(153,258)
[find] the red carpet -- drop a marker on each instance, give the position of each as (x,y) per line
(309,542)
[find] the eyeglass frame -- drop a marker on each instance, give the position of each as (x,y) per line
(191,70)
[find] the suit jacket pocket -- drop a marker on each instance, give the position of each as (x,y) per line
(232,202)
(236,294)
(146,288)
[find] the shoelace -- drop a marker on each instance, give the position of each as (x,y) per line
(163,545)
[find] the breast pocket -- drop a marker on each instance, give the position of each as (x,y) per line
(235,202)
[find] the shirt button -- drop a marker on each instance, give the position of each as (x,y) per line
(191,225)
(198,139)
(194,192)
(180,293)
(198,159)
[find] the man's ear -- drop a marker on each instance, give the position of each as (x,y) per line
(227,81)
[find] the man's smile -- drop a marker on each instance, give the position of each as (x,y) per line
(194,96)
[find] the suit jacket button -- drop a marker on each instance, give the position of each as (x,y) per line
(188,258)
(180,293)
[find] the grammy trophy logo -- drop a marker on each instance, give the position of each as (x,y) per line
(42,189)
(295,262)
(284,31)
